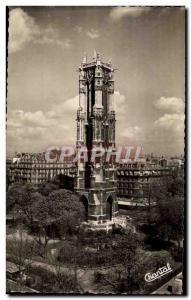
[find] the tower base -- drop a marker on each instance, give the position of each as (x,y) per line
(95,226)
(117,222)
(100,205)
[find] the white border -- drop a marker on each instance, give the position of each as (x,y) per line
(3,4)
(95,3)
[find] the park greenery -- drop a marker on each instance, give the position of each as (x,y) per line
(51,250)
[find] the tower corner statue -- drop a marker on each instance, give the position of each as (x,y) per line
(96,178)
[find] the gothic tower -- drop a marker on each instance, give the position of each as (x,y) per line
(96,178)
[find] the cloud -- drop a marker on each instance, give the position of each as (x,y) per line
(132,133)
(40,129)
(171,122)
(170,104)
(168,129)
(120,103)
(23,29)
(127,132)
(35,119)
(118,13)
(35,131)
(164,135)
(78,29)
(167,133)
(68,107)
(50,36)
(93,33)
(53,41)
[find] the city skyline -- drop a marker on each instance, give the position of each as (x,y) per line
(46,46)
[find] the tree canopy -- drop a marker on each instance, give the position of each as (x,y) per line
(46,214)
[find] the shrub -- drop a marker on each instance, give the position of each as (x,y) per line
(49,282)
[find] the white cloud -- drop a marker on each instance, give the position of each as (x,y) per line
(93,33)
(23,29)
(39,130)
(78,29)
(118,13)
(164,135)
(120,103)
(132,132)
(57,126)
(34,119)
(167,133)
(170,104)
(168,129)
(45,40)
(171,122)
(126,132)
(68,107)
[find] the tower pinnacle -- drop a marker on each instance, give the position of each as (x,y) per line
(95,55)
(84,59)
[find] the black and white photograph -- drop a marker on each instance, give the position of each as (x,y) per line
(95,150)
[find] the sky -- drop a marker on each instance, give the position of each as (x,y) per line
(46,46)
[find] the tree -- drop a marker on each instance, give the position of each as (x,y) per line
(169,197)
(14,196)
(69,254)
(59,213)
(147,262)
(19,196)
(123,256)
(126,251)
(20,200)
(171,207)
(176,185)
(47,187)
(21,250)
(52,281)
(66,210)
(128,278)
(171,222)
(41,220)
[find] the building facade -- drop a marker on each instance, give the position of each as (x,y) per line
(96,180)
(31,169)
(135,181)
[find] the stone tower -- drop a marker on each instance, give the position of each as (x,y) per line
(96,178)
